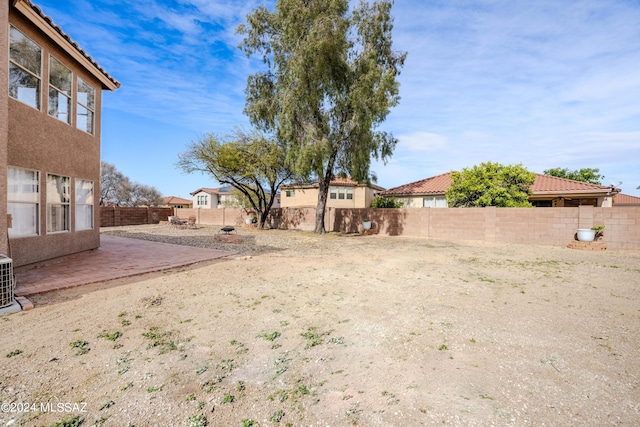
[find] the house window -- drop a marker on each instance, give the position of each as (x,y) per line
(59,91)
(202,200)
(23,201)
(290,193)
(86,107)
(84,205)
(25,65)
(434,202)
(340,193)
(58,195)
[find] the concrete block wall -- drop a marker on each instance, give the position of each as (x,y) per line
(622,226)
(113,216)
(543,226)
(540,226)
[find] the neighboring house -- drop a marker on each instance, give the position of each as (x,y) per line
(223,197)
(176,202)
(343,193)
(213,198)
(547,191)
(626,200)
(50,102)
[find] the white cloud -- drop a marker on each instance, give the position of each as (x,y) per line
(545,83)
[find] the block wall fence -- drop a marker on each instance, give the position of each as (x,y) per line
(539,226)
(113,216)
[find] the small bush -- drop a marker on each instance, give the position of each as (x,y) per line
(386,202)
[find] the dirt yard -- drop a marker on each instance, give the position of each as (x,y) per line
(338,331)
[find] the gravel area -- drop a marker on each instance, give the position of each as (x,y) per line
(336,330)
(254,241)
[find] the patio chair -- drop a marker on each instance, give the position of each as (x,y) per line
(176,222)
(191,222)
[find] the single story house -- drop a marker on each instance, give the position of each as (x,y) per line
(176,202)
(50,120)
(343,193)
(547,191)
(626,200)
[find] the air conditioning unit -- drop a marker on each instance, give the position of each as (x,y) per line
(7,282)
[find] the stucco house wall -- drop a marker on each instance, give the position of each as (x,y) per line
(211,199)
(40,142)
(4,121)
(301,196)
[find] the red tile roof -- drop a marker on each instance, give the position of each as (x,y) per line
(173,200)
(435,185)
(626,200)
(336,181)
(543,185)
(546,184)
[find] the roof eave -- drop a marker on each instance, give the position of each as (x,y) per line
(576,193)
(31,12)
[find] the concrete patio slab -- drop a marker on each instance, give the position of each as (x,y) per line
(117,258)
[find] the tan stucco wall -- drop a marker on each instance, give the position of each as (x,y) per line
(302,198)
(308,197)
(43,143)
(4,118)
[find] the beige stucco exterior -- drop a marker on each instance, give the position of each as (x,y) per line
(4,122)
(597,200)
(299,196)
(32,139)
(217,198)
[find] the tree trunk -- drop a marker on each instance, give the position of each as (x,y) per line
(323,192)
(320,208)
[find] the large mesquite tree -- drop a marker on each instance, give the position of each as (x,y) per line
(330,81)
(252,163)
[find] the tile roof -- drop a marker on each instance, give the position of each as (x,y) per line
(626,200)
(546,184)
(58,30)
(434,185)
(173,200)
(336,181)
(221,190)
(543,185)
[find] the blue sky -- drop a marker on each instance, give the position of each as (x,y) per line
(545,83)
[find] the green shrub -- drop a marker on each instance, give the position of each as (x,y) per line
(385,202)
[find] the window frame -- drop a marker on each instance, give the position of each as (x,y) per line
(14,64)
(15,202)
(62,204)
(80,107)
(80,213)
(202,200)
(433,201)
(60,91)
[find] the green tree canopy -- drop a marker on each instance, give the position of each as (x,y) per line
(591,175)
(330,81)
(386,202)
(252,163)
(491,184)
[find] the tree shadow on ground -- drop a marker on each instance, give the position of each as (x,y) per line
(387,221)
